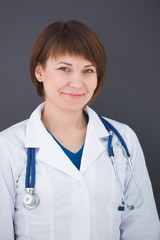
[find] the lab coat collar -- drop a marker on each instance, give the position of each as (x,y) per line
(51,153)
(98,125)
(35,130)
(93,146)
(35,126)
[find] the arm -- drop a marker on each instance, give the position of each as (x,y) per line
(7,195)
(141,223)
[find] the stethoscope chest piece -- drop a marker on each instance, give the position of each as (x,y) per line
(30,199)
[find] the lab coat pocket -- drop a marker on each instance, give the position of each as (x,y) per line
(115,220)
(20,190)
(38,231)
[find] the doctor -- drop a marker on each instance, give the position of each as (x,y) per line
(75,184)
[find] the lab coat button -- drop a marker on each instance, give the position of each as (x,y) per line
(83,225)
(81,187)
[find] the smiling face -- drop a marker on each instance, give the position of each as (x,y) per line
(69,81)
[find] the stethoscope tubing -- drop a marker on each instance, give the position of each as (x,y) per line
(111,129)
(30,168)
(136,183)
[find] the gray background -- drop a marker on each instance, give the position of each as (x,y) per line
(130,32)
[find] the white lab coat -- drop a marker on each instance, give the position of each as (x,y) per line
(74,205)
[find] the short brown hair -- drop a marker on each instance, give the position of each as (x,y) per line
(71,37)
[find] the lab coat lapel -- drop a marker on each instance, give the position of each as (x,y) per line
(49,151)
(93,146)
(92,149)
(53,155)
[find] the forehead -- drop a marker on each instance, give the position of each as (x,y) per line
(68,58)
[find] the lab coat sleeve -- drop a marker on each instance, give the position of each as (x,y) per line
(141,223)
(7,194)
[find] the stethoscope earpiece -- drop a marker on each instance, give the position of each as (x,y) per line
(121,208)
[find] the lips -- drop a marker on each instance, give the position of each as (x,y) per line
(74,95)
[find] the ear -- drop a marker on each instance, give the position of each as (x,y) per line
(39,72)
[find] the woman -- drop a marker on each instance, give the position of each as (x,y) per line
(76,189)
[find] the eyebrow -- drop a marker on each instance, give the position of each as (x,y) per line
(69,64)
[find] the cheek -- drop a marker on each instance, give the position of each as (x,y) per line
(92,84)
(53,81)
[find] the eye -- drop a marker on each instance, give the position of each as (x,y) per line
(65,69)
(88,71)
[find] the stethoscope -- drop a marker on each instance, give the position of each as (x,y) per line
(31,199)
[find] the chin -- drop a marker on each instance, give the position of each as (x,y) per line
(73,107)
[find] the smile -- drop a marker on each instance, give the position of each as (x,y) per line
(72,95)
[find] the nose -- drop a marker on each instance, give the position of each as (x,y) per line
(76,81)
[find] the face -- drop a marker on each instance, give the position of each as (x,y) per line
(69,81)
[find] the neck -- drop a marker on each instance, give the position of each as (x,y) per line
(55,118)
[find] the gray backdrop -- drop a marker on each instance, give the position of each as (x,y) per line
(130,32)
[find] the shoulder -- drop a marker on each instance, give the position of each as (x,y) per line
(14,134)
(128,135)
(124,130)
(12,150)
